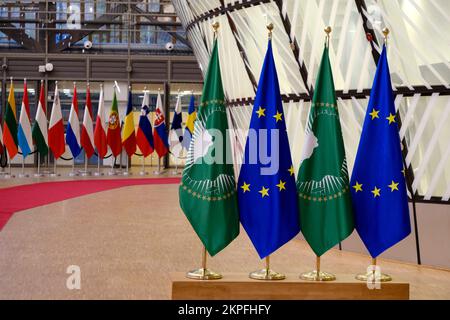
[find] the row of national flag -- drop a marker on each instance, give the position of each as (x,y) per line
(107,132)
(273,204)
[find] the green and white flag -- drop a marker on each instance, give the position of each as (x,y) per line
(208,188)
(325,206)
(40,130)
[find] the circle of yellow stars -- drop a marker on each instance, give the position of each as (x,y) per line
(375,114)
(265,192)
(261,112)
(358,187)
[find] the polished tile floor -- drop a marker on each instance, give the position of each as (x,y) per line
(127,242)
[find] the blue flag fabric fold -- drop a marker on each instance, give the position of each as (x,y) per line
(266,189)
(378,184)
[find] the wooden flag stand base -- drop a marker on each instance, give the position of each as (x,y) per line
(238,286)
(203,273)
(317,275)
(266,273)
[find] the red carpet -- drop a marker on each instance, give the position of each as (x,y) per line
(29,196)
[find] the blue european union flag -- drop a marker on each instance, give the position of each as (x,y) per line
(266,189)
(378,183)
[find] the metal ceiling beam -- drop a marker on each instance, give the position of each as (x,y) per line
(20,36)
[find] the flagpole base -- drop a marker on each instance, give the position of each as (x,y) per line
(143,173)
(203,274)
(85,174)
(23,175)
(176,172)
(127,173)
(266,274)
(98,173)
(371,277)
(157,172)
(54,175)
(73,174)
(314,276)
(38,175)
(9,176)
(112,173)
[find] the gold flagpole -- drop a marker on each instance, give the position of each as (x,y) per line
(267,273)
(371,275)
(204,273)
(318,274)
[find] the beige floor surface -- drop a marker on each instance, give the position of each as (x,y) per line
(127,241)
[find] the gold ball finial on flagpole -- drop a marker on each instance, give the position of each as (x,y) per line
(216,25)
(386,32)
(270,27)
(327,39)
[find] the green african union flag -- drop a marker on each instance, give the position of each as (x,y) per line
(208,188)
(325,207)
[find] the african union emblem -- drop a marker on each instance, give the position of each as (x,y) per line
(207,176)
(208,188)
(113,122)
(330,179)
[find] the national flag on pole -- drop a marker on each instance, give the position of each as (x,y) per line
(113,135)
(189,129)
(176,132)
(100,127)
(380,201)
(129,135)
(326,216)
(87,129)
(159,131)
(39,129)
(56,141)
(208,188)
(24,131)
(10,125)
(73,126)
(144,136)
(267,194)
(1,140)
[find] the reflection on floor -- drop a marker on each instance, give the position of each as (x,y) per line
(64,174)
(127,241)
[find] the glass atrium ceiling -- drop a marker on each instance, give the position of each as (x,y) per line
(419,56)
